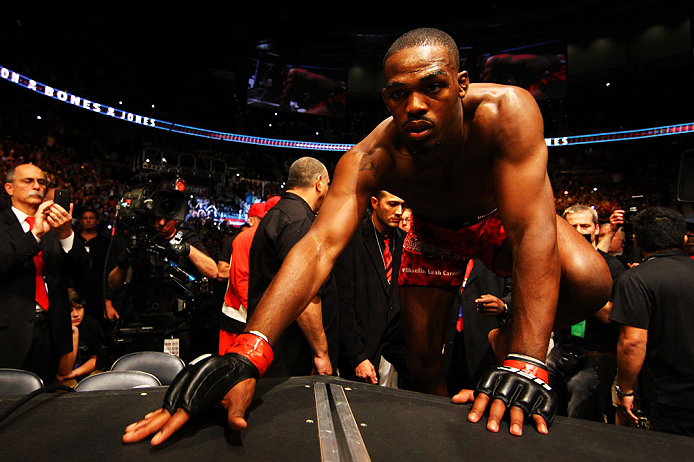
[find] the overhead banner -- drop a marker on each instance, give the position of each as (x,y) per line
(116,113)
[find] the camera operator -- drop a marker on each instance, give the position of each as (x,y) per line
(151,284)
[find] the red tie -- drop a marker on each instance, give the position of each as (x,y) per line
(387,259)
(41,294)
(468,270)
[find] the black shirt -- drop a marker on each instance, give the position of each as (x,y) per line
(91,338)
(91,285)
(658,295)
(279,230)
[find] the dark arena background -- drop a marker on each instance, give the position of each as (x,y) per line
(203,93)
(96,98)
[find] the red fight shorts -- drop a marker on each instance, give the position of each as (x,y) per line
(434,255)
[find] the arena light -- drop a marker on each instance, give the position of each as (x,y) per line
(99,108)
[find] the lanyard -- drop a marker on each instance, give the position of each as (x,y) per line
(468,270)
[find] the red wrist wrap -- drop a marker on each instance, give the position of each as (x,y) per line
(532,369)
(257,350)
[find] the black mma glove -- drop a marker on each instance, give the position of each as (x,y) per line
(200,386)
(521,381)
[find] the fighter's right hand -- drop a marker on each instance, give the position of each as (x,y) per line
(229,379)
(163,424)
(520,385)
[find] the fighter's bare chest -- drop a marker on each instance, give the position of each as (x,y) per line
(446,190)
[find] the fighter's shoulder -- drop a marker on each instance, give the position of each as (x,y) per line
(379,142)
(494,100)
(375,149)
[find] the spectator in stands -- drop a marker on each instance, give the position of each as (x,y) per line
(653,304)
(87,338)
(583,362)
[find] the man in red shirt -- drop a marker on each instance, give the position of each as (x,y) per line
(233,319)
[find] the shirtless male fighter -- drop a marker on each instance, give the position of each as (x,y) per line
(481,146)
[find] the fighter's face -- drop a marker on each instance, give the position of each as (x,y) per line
(388,209)
(423,92)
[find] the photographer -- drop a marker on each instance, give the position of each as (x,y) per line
(158,278)
(582,363)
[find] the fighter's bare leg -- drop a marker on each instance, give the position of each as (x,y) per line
(586,282)
(584,289)
(425,311)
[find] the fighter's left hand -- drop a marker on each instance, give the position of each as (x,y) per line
(496,413)
(519,386)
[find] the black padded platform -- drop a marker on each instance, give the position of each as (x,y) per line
(394,425)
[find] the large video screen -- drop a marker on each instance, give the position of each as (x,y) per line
(539,68)
(281,83)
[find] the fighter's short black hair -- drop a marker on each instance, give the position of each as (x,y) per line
(423,37)
(303,172)
(659,228)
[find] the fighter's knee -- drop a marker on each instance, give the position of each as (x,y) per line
(587,271)
(586,287)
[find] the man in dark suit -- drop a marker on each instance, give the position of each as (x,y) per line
(38,253)
(367,284)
